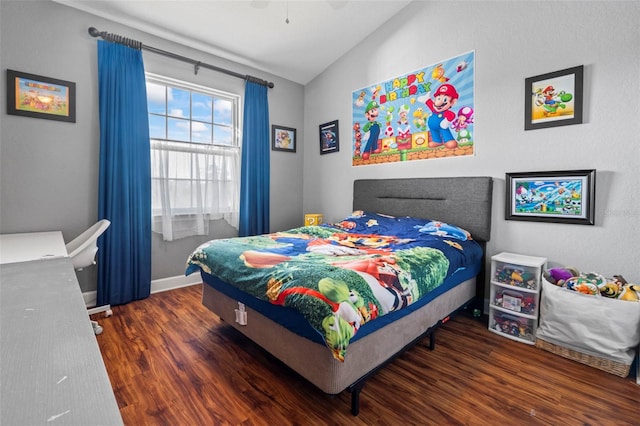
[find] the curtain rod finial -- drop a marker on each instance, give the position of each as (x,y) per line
(94,32)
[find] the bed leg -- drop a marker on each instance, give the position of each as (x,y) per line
(432,340)
(355,398)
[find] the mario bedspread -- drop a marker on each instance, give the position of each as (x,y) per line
(340,276)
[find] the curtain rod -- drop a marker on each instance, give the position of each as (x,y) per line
(197,64)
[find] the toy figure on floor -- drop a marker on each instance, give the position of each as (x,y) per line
(444,99)
(373,128)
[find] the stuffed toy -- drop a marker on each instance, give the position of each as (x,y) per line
(594,278)
(628,291)
(582,285)
(619,288)
(559,276)
(611,289)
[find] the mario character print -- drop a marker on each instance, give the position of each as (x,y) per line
(551,100)
(428,113)
(555,99)
(445,98)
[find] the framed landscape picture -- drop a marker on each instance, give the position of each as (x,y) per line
(562,197)
(36,96)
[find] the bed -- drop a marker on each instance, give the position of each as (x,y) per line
(347,347)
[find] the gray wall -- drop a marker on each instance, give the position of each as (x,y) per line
(49,169)
(512,41)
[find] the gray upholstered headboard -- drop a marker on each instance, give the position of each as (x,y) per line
(461,201)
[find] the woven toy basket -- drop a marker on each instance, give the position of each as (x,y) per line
(610,366)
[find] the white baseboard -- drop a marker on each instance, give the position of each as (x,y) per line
(164,284)
(157,286)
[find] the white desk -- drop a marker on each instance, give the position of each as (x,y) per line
(51,369)
(31,246)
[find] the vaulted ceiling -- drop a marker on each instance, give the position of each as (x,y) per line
(295,40)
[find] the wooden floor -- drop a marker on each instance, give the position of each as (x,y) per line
(172,362)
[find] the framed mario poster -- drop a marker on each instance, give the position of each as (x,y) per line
(554,99)
(329,137)
(424,114)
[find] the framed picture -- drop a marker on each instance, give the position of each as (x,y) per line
(283,138)
(553,99)
(36,96)
(329,137)
(562,197)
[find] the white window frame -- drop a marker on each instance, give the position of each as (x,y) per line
(177,222)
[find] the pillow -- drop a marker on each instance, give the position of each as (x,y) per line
(362,222)
(443,229)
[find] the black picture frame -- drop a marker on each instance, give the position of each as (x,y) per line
(329,137)
(562,196)
(283,138)
(547,103)
(36,96)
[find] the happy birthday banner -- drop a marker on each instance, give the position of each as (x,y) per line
(428,113)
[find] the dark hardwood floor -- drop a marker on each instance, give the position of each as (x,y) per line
(173,362)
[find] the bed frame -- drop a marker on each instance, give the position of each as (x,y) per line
(464,201)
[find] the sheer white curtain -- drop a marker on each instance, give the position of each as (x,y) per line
(191,185)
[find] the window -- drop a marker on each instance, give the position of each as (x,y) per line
(195,157)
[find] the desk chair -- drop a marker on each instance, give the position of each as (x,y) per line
(82,252)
